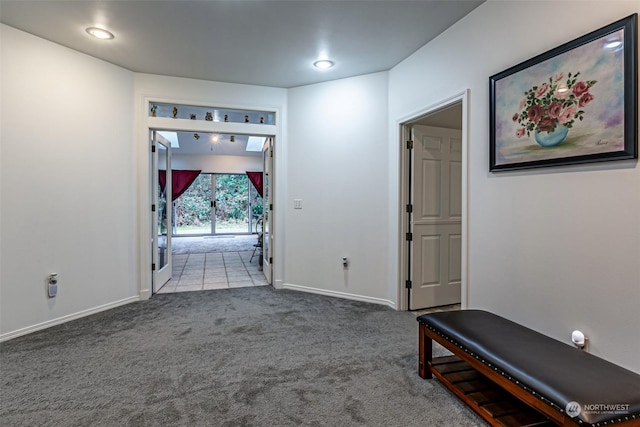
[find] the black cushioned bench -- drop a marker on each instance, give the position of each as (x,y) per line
(514,376)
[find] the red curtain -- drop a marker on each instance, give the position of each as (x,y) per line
(256,180)
(180,181)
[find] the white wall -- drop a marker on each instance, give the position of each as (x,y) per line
(217,164)
(556,249)
(337,165)
(68,205)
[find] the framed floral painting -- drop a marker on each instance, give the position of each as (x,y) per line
(576,103)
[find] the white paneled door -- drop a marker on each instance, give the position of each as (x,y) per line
(436,218)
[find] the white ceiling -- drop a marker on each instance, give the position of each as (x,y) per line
(449,117)
(260,42)
(212,144)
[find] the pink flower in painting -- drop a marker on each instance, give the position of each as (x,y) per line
(585,99)
(559,76)
(535,113)
(523,103)
(542,89)
(554,109)
(520,132)
(515,117)
(567,114)
(579,88)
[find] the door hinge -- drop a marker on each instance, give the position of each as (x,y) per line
(153,267)
(409,145)
(409,237)
(153,148)
(409,208)
(271,206)
(270,260)
(270,153)
(153,208)
(407,284)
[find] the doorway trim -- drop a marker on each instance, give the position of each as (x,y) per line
(145,123)
(403,127)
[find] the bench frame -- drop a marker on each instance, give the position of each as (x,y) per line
(428,367)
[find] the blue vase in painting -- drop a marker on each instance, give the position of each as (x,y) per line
(551,139)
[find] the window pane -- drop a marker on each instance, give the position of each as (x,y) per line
(232,203)
(192,213)
(213,114)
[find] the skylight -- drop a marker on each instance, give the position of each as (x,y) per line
(172,137)
(255,143)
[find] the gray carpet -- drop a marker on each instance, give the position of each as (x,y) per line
(238,357)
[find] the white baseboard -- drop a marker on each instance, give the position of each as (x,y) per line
(67,318)
(337,294)
(145,294)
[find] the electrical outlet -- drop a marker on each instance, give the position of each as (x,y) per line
(52,285)
(53,290)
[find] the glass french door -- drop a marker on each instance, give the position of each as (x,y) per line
(231,204)
(267,202)
(193,210)
(217,204)
(255,209)
(161,211)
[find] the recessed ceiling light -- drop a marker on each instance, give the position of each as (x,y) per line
(323,64)
(100,33)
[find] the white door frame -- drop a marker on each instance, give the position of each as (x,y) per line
(405,197)
(146,124)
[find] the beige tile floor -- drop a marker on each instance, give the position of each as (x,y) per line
(453,307)
(213,270)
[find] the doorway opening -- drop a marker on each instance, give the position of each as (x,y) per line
(211,231)
(433,260)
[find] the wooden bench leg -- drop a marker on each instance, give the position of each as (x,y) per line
(425,354)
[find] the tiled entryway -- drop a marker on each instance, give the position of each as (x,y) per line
(214,270)
(452,307)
